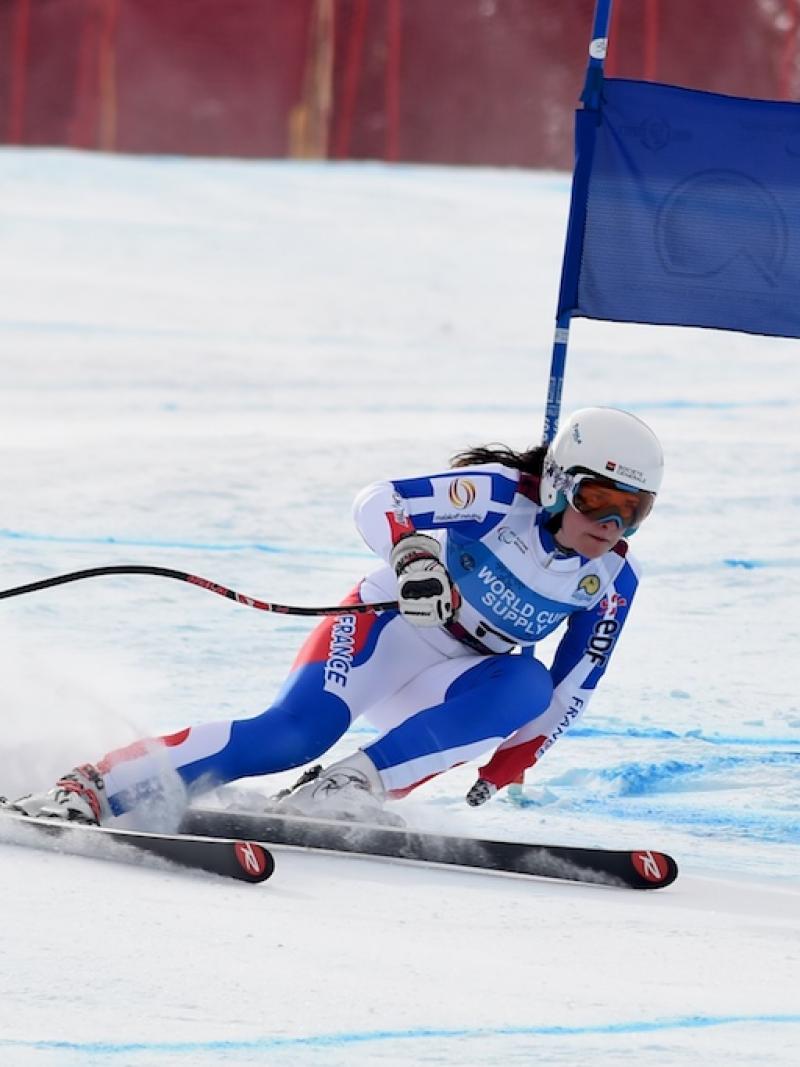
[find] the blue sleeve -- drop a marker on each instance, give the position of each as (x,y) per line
(580,661)
(592,635)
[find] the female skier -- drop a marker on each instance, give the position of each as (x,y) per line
(484,560)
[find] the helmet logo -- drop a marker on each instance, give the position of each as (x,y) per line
(462,493)
(576,434)
(631,474)
(625,474)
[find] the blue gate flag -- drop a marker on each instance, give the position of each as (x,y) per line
(685,211)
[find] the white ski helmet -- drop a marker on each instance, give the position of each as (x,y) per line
(607,442)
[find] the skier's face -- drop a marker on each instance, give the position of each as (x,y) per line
(581,534)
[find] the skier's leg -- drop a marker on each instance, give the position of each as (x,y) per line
(448,714)
(344,662)
(347,662)
(487,702)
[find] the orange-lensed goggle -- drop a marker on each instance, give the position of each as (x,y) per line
(603,500)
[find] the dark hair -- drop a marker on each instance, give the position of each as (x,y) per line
(531,462)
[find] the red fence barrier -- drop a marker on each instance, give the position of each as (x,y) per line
(450,81)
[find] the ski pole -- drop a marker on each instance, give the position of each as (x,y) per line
(203,583)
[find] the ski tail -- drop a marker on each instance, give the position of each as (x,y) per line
(243,860)
(642,869)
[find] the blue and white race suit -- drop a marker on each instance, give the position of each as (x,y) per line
(439,696)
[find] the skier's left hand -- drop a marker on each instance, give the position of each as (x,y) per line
(480,792)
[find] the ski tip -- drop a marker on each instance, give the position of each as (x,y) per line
(256,863)
(653,870)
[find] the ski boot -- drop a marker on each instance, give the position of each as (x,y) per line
(350,790)
(76,797)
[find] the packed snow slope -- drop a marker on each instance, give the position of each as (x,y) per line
(202,362)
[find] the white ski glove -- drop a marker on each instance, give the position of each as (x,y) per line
(426,595)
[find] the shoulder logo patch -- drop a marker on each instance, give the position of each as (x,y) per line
(462,493)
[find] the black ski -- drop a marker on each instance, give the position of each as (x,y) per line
(246,861)
(643,869)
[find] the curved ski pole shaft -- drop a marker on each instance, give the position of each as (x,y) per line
(203,583)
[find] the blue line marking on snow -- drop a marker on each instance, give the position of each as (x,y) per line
(634,805)
(775,829)
(204,546)
(644,1026)
(687,567)
(599,733)
(657,734)
(84,328)
(317,550)
(641,779)
(711,405)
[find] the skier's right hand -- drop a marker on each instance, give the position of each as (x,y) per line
(426,593)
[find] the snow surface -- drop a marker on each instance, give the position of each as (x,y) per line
(202,362)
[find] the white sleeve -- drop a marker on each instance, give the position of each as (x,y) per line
(472,499)
(381,518)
